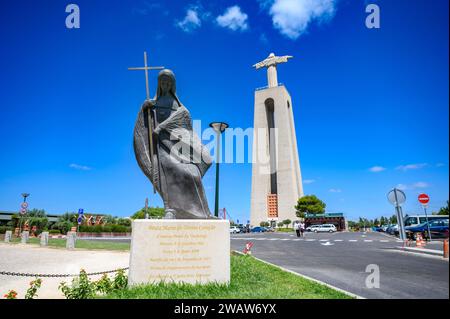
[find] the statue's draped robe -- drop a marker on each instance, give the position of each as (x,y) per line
(180,161)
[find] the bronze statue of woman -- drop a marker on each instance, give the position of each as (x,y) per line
(180,160)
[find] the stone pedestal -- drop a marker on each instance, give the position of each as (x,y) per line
(8,236)
(25,236)
(190,251)
(71,239)
(44,239)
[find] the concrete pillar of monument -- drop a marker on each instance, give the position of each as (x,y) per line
(276,175)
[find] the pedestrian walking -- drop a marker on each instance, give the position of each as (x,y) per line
(297,228)
(302,229)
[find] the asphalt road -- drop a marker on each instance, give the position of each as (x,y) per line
(340,259)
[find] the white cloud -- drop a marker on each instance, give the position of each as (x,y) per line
(80,167)
(335,190)
(190,22)
(413,186)
(411,166)
(308,181)
(292,17)
(234,19)
(420,185)
(377,169)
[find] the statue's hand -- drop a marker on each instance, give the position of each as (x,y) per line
(157,130)
(148,105)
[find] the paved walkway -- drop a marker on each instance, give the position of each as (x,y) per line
(35,259)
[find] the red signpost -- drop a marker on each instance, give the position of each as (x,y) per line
(424,199)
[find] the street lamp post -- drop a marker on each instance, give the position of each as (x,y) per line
(219,128)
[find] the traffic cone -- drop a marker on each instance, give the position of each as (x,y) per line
(420,243)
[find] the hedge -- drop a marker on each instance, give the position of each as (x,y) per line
(104,229)
(3,229)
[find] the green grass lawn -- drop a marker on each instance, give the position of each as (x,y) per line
(285,230)
(250,278)
(84,244)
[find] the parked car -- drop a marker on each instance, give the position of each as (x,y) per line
(269,229)
(312,227)
(258,229)
(234,230)
(325,228)
(438,229)
(384,228)
(392,230)
(244,229)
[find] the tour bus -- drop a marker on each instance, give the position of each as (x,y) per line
(419,219)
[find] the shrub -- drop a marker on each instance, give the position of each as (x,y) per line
(63,226)
(34,286)
(104,284)
(12,294)
(54,231)
(81,288)
(120,280)
(3,229)
(105,229)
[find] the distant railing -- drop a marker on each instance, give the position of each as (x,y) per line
(266,87)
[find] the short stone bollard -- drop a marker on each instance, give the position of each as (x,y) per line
(44,239)
(25,236)
(71,239)
(8,236)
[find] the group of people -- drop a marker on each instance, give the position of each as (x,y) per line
(299,228)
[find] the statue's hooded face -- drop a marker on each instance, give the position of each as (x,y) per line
(166,83)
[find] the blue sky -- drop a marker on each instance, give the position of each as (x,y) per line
(370,105)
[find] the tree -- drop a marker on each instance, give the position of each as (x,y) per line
(153,212)
(444,210)
(124,221)
(287,222)
(393,219)
(309,204)
(280,224)
(37,213)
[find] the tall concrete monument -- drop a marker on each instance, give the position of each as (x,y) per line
(276,176)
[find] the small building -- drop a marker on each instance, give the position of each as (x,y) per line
(337,219)
(6,216)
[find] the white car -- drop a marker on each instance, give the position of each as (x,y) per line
(330,228)
(234,230)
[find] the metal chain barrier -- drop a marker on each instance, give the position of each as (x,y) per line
(18,274)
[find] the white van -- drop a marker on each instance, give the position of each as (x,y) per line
(330,228)
(420,219)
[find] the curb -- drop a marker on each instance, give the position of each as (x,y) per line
(423,251)
(305,277)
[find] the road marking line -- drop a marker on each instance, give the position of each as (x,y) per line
(274,239)
(297,239)
(338,240)
(368,240)
(384,241)
(285,239)
(310,240)
(324,240)
(353,240)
